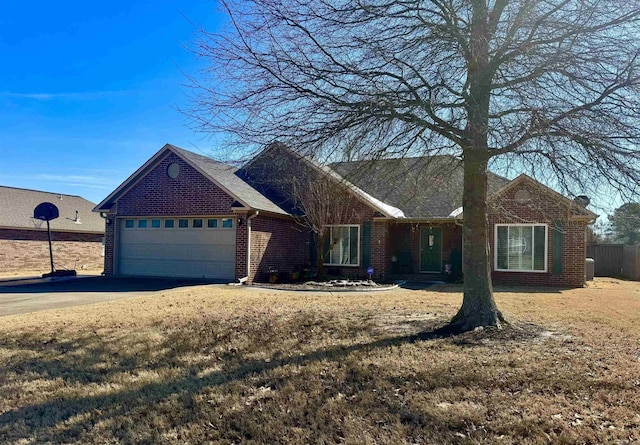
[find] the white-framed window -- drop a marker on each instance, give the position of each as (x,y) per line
(129,223)
(142,224)
(197,223)
(227,223)
(183,224)
(345,240)
(212,223)
(169,223)
(521,247)
(155,223)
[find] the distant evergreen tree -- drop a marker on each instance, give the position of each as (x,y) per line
(625,223)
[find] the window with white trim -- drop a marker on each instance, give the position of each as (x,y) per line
(345,240)
(521,247)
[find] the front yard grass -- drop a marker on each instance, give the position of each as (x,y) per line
(236,365)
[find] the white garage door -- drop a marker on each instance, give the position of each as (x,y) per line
(177,247)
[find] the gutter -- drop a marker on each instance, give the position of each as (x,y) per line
(249,218)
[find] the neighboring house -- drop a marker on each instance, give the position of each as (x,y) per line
(182,214)
(77,234)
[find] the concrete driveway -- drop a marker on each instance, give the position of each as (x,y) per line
(22,296)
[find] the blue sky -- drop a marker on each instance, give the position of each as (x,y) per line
(89,90)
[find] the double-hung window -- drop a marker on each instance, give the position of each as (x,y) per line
(344,243)
(521,247)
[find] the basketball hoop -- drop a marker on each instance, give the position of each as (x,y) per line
(37,223)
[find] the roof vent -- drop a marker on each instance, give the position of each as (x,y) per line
(522,196)
(582,200)
(76,220)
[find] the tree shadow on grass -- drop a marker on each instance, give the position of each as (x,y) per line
(35,420)
(42,421)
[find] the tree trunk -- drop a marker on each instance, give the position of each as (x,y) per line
(478,306)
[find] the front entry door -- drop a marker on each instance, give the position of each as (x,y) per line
(431,249)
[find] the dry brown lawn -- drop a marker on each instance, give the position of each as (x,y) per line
(236,365)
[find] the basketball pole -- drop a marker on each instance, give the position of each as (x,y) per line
(50,247)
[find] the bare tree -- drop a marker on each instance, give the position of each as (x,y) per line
(322,201)
(545,86)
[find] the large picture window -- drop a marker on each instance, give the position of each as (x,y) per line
(521,247)
(346,246)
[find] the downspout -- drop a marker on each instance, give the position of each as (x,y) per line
(249,218)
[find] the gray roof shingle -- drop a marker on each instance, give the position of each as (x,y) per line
(422,187)
(17,205)
(217,172)
(226,176)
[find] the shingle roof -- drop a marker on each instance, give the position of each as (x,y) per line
(217,172)
(17,205)
(226,176)
(277,188)
(422,187)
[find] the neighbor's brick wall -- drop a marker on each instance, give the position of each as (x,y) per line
(29,250)
(542,209)
(189,194)
(277,243)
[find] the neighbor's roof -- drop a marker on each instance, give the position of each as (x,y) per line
(421,187)
(221,174)
(17,205)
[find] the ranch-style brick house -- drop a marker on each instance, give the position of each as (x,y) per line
(185,215)
(77,234)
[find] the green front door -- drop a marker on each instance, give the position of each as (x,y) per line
(431,249)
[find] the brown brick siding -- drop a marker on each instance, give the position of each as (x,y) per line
(380,256)
(542,208)
(189,194)
(277,243)
(241,245)
(22,250)
(109,246)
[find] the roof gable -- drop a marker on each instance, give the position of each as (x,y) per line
(17,205)
(276,153)
(222,175)
(577,211)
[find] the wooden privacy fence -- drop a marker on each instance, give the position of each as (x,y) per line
(615,260)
